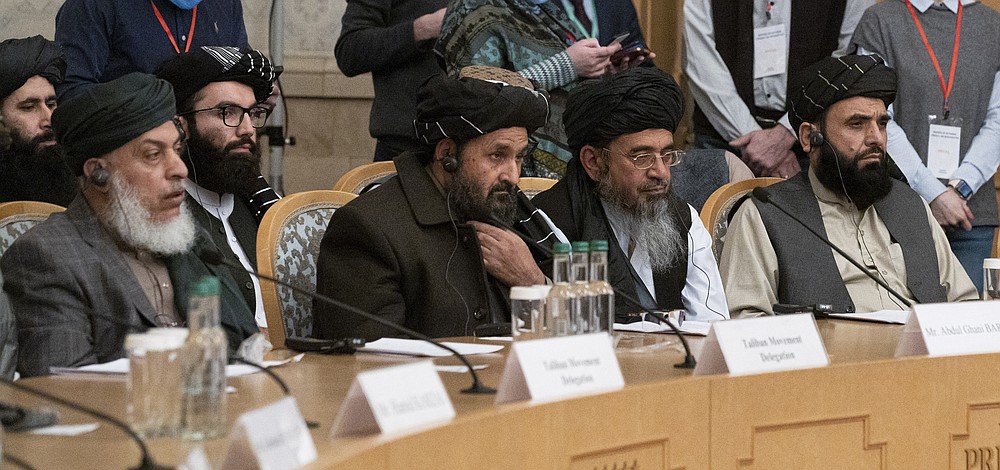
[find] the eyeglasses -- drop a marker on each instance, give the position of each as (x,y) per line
(232,115)
(645,161)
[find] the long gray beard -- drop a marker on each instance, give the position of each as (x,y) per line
(650,223)
(132,222)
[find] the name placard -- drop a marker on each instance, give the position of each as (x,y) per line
(272,437)
(555,368)
(951,329)
(763,344)
(393,399)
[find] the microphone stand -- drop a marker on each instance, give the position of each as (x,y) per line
(214,257)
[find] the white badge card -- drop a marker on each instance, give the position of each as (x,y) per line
(950,329)
(271,437)
(944,140)
(763,344)
(393,399)
(555,368)
(770,51)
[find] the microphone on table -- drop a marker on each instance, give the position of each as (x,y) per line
(214,257)
(689,361)
(765,197)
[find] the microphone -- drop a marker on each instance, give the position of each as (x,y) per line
(688,362)
(214,257)
(765,197)
(147,462)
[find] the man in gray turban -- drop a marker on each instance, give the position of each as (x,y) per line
(31,166)
(121,254)
(838,108)
(418,249)
(617,187)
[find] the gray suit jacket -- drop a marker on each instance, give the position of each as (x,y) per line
(75,297)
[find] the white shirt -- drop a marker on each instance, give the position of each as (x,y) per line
(712,85)
(221,207)
(703,297)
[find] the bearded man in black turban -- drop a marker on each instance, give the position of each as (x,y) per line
(618,188)
(124,246)
(31,166)
(838,107)
(418,250)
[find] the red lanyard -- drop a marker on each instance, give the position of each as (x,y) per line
(945,87)
(170,35)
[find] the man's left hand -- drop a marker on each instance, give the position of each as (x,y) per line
(768,152)
(506,257)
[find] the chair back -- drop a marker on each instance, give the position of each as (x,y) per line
(287,249)
(531,186)
(18,217)
(360,179)
(715,212)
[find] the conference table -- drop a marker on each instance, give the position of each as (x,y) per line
(866,409)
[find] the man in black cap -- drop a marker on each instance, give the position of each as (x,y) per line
(838,107)
(220,93)
(120,257)
(618,188)
(31,166)
(416,250)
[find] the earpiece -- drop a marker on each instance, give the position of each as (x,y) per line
(100,176)
(450,163)
(816,137)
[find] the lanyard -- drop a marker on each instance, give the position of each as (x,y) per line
(945,87)
(170,35)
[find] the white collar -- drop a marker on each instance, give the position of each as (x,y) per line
(923,5)
(209,199)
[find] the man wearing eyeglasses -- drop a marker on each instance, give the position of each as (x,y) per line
(220,94)
(617,188)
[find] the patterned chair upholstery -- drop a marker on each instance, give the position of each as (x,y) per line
(715,213)
(365,177)
(531,186)
(18,217)
(287,248)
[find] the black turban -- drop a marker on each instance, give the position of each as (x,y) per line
(106,116)
(21,59)
(602,109)
(467,107)
(815,88)
(192,71)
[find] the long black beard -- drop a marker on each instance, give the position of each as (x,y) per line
(863,185)
(216,170)
(41,175)
(470,204)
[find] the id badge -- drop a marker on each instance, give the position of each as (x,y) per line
(944,140)
(770,51)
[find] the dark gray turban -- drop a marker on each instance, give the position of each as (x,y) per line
(465,108)
(106,116)
(602,109)
(815,88)
(21,59)
(192,71)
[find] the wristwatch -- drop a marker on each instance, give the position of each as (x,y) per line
(962,188)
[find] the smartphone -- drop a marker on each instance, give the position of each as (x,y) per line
(618,39)
(632,51)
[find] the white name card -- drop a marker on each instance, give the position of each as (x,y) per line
(273,437)
(393,399)
(763,344)
(951,329)
(555,368)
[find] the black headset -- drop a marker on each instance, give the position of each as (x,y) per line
(816,137)
(450,163)
(100,176)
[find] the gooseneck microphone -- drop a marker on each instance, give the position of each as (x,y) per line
(765,197)
(212,256)
(688,362)
(147,462)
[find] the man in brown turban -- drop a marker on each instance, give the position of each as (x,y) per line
(838,108)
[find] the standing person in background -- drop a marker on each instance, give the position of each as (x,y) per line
(541,42)
(738,56)
(942,104)
(394,41)
(106,39)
